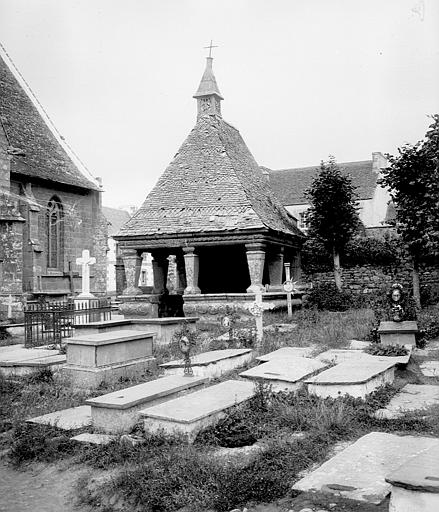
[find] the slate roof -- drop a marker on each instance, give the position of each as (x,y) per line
(27,131)
(116,218)
(289,185)
(213,184)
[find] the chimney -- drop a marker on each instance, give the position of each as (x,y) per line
(379,161)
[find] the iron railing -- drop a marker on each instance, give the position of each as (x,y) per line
(50,322)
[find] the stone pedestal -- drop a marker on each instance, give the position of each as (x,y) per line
(96,358)
(181,283)
(139,306)
(132,261)
(398,333)
(255,260)
(192,265)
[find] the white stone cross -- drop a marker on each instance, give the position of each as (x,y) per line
(257,309)
(85,261)
(9,304)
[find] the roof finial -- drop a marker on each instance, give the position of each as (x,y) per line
(210,48)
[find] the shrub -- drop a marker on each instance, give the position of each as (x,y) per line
(325,296)
(377,349)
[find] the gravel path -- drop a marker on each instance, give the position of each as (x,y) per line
(38,489)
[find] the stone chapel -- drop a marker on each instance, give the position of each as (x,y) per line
(49,210)
(213,209)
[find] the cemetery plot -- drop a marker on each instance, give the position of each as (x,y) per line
(286,352)
(119,411)
(284,374)
(191,413)
(412,397)
(211,364)
(347,355)
(67,419)
(95,358)
(353,378)
(415,485)
(398,333)
(359,471)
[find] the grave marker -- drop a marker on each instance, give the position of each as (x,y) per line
(85,261)
(256,309)
(9,304)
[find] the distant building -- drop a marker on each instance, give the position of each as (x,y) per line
(49,210)
(375,204)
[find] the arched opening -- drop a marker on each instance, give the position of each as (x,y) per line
(55,234)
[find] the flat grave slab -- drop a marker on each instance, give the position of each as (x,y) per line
(415,485)
(95,358)
(119,411)
(359,471)
(93,438)
(398,333)
(286,352)
(430,368)
(14,353)
(280,328)
(345,355)
(284,374)
(412,397)
(189,414)
(355,378)
(67,419)
(211,364)
(164,328)
(358,344)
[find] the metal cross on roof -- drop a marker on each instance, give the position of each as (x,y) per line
(210,48)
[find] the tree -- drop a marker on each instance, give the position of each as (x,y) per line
(333,216)
(413,180)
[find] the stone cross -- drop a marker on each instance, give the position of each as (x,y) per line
(85,261)
(9,304)
(256,309)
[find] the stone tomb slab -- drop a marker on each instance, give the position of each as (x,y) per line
(398,333)
(359,471)
(93,438)
(119,411)
(430,368)
(415,485)
(67,419)
(412,397)
(284,374)
(212,364)
(18,361)
(355,378)
(95,358)
(286,352)
(189,414)
(345,355)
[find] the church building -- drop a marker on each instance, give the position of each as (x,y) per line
(49,209)
(213,209)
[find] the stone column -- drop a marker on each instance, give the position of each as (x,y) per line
(255,261)
(181,275)
(192,265)
(132,261)
(160,265)
(275,269)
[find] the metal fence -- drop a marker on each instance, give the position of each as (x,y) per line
(50,322)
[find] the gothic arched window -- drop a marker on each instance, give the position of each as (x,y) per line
(55,233)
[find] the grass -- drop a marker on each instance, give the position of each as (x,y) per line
(295,431)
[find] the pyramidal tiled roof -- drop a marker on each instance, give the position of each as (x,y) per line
(290,185)
(208,85)
(27,130)
(213,184)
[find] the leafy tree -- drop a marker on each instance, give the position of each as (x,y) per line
(333,216)
(413,180)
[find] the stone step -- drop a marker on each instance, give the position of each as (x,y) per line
(189,414)
(67,419)
(415,485)
(412,397)
(119,411)
(285,352)
(285,374)
(211,364)
(355,378)
(107,357)
(359,471)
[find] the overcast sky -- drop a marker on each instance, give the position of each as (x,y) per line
(301,79)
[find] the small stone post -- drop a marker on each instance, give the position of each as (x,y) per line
(132,262)
(256,309)
(192,264)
